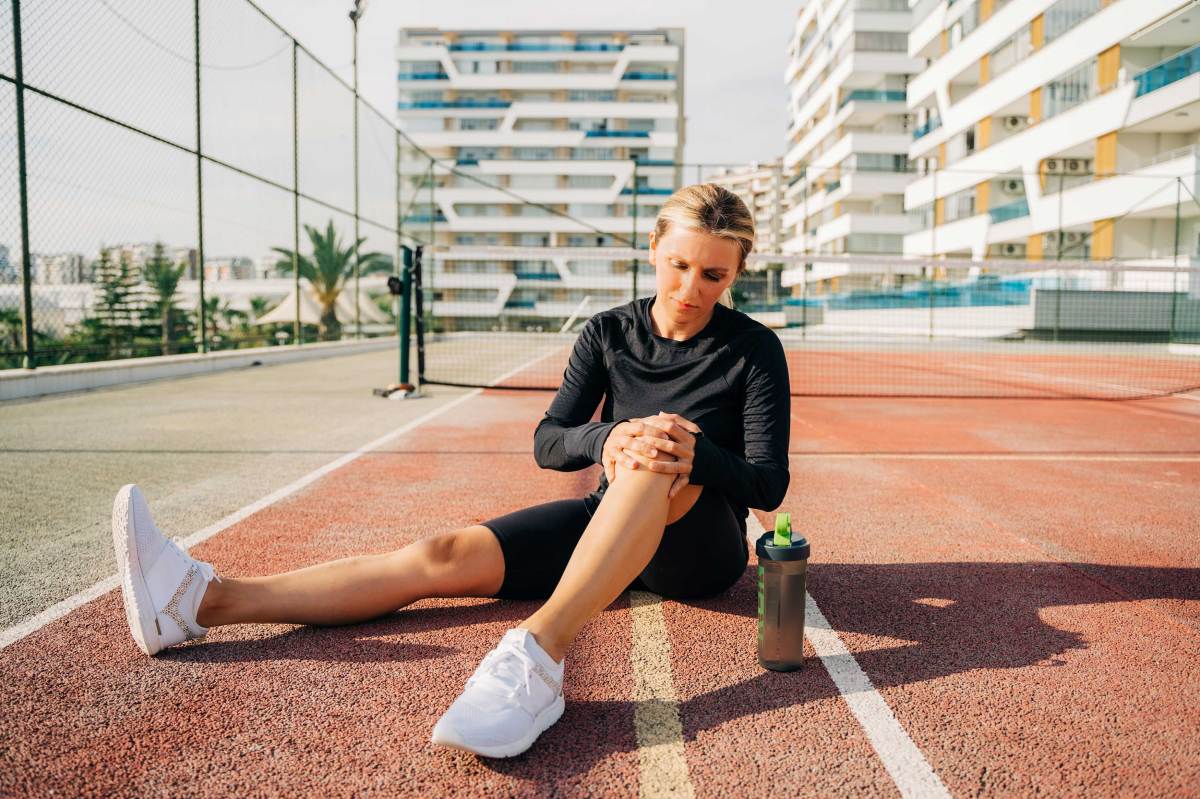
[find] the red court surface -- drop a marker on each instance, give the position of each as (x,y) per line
(1019,580)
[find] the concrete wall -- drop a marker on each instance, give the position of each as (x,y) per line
(1128,311)
(25,383)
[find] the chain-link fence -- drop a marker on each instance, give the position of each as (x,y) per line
(182,177)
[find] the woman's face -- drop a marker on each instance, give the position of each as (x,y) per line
(692,268)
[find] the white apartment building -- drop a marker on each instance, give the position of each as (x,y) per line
(761,187)
(1041,117)
(846,157)
(561,118)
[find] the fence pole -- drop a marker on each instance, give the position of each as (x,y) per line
(297,329)
(199,187)
(634,216)
(933,248)
(29,360)
(804,249)
(357,255)
(1058,287)
(432,242)
(1175,264)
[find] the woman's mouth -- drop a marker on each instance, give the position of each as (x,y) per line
(684,305)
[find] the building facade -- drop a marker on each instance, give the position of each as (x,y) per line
(1056,129)
(846,156)
(563,119)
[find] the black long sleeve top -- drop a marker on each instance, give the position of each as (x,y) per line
(731,379)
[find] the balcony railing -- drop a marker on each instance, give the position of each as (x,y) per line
(873,96)
(832,186)
(1015,210)
(647,190)
(648,76)
(518,47)
(424,76)
(466,162)
(929,127)
(1177,67)
(404,104)
(413,218)
(618,134)
(654,162)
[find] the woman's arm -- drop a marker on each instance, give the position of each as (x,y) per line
(760,480)
(565,439)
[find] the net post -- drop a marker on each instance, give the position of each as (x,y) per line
(419,301)
(29,360)
(1058,288)
(199,187)
(804,248)
(403,319)
(357,244)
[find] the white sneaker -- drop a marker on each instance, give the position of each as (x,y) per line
(161,584)
(513,696)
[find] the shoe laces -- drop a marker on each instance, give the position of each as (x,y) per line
(206,569)
(503,672)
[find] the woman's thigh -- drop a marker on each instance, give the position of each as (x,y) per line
(701,554)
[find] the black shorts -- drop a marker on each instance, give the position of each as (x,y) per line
(701,554)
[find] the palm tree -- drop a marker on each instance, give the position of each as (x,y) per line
(12,330)
(328,269)
(215,307)
(163,279)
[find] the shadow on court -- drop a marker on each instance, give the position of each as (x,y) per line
(948,619)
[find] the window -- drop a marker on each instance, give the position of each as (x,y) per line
(591,96)
(881,41)
(478,123)
(1069,90)
(533,153)
(527,67)
(533,182)
(1066,14)
(590,181)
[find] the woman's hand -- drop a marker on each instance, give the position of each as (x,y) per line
(626,436)
(666,445)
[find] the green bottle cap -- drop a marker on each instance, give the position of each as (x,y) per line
(783,530)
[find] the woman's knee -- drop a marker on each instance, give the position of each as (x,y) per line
(683,502)
(470,556)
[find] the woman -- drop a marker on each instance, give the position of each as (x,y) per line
(693,430)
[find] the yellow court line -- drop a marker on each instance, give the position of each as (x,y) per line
(662,762)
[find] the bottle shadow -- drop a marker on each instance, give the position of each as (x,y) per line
(942,619)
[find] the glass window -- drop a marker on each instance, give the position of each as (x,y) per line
(1066,14)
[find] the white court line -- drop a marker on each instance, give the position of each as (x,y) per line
(909,769)
(1134,457)
(1090,383)
(31,625)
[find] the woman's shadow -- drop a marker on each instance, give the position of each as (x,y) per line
(941,619)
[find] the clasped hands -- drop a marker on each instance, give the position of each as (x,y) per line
(663,443)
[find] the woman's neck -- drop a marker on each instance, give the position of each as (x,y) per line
(666,327)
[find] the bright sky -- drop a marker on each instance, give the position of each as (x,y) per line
(734,53)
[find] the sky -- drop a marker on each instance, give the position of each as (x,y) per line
(94,184)
(735,53)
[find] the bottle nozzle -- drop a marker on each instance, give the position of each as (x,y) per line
(783,530)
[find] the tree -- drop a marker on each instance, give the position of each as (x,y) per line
(117,302)
(327,270)
(163,279)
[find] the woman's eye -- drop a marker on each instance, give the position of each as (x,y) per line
(712,277)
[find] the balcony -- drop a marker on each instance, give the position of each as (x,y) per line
(423,76)
(414,218)
(618,134)
(654,162)
(929,127)
(407,104)
(642,190)
(1014,210)
(516,47)
(873,96)
(1177,67)
(832,186)
(648,76)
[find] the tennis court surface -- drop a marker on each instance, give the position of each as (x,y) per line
(1006,601)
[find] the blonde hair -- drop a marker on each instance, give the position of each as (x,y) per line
(711,209)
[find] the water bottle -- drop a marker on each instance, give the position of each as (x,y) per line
(782,564)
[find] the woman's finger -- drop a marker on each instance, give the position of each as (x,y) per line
(686,424)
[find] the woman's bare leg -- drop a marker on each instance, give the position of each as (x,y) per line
(619,541)
(465,562)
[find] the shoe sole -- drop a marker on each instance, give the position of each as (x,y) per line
(544,721)
(134,593)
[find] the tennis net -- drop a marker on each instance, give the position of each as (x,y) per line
(877,326)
